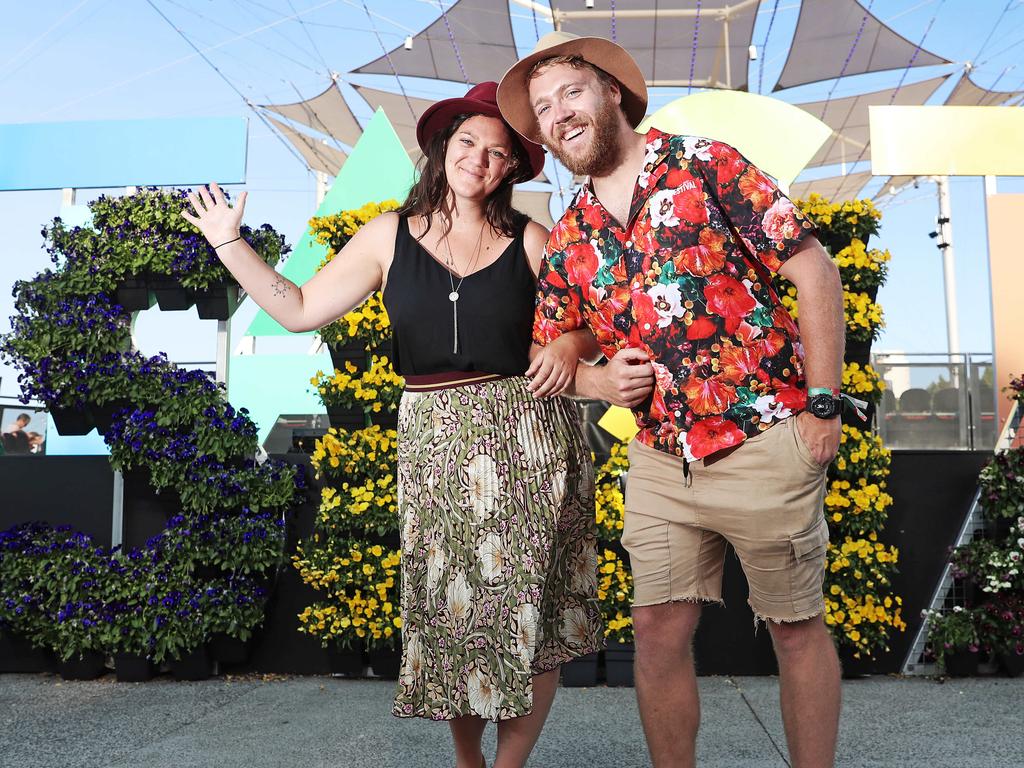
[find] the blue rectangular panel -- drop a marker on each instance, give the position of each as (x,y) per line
(121,153)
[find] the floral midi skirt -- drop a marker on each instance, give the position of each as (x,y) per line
(499,556)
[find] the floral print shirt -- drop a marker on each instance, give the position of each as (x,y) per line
(689,281)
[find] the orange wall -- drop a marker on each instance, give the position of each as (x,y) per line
(1006,266)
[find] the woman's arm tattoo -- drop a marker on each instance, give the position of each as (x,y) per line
(281,287)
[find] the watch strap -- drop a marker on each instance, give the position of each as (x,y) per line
(834,391)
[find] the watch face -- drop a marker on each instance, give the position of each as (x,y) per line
(823,406)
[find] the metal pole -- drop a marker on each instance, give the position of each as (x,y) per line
(991,190)
(728,62)
(223,350)
(321,187)
(117,519)
(945,230)
(543,10)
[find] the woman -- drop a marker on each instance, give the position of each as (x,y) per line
(495,483)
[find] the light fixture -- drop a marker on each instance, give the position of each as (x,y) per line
(752,53)
(408,42)
(590,3)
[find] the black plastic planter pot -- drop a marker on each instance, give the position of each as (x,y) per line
(353,353)
(857,352)
(218,302)
(229,651)
(194,665)
(349,419)
(1012,663)
(348,662)
(386,662)
(103,415)
(134,295)
(618,664)
(580,672)
(132,669)
(19,655)
(72,421)
(88,666)
(385,419)
(962,663)
(171,296)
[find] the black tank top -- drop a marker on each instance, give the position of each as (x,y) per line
(495,310)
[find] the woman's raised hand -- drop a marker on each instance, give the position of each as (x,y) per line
(218,221)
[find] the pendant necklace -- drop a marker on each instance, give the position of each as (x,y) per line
(453,297)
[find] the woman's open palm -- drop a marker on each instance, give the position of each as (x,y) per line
(218,221)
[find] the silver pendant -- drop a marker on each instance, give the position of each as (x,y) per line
(453,296)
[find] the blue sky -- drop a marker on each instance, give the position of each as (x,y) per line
(101,60)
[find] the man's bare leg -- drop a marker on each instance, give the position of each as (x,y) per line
(666,682)
(809,690)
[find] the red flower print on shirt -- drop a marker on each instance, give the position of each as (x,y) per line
(738,364)
(705,258)
(689,205)
(729,298)
(710,435)
(581,263)
(757,188)
(709,396)
(701,328)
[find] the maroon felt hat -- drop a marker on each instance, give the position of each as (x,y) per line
(479,100)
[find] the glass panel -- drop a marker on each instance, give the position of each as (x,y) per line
(938,402)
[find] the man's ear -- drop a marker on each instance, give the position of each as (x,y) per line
(615,90)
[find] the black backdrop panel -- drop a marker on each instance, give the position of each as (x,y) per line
(932,492)
(60,490)
(278,644)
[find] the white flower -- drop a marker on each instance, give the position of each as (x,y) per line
(435,564)
(650,158)
(526,631)
(770,409)
(410,531)
(957,608)
(584,569)
(493,557)
(484,697)
(532,439)
(460,597)
(412,666)
(662,209)
(483,485)
(696,146)
(668,303)
(575,627)
(558,485)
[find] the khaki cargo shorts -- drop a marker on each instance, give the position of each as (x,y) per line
(765,498)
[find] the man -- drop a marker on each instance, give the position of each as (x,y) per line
(14,438)
(666,253)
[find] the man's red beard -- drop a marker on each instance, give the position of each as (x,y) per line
(603,153)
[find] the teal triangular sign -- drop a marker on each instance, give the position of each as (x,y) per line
(378,169)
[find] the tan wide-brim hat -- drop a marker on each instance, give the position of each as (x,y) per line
(514,88)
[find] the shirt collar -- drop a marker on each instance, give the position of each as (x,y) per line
(586,192)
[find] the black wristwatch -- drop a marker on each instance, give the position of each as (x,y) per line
(824,404)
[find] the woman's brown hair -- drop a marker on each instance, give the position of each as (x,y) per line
(429,195)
